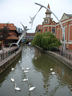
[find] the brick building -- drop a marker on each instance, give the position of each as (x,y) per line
(67,24)
(48,25)
(8,34)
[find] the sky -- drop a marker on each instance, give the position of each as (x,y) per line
(16,11)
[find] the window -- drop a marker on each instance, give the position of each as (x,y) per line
(53,30)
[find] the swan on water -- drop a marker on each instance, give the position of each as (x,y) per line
(26,71)
(51,69)
(17,88)
(12,79)
(25,80)
(27,68)
(53,73)
(19,61)
(12,69)
(31,88)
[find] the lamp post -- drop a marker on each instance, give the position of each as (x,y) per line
(63,29)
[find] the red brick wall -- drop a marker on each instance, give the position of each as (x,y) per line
(71,32)
(70,46)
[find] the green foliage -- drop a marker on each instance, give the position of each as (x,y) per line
(46,40)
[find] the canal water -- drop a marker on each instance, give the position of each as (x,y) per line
(49,76)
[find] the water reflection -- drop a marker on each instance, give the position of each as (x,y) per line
(61,78)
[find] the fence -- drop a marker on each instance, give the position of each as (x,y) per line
(6,53)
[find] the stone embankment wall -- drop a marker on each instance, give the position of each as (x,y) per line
(4,64)
(62,59)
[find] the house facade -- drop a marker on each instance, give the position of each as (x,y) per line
(67,24)
(8,34)
(48,25)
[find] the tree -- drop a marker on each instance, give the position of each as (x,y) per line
(4,33)
(46,40)
(37,39)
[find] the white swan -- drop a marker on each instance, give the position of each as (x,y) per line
(17,88)
(26,71)
(31,88)
(19,61)
(12,79)
(25,80)
(27,68)
(51,69)
(53,73)
(12,69)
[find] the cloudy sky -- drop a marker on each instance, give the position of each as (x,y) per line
(16,11)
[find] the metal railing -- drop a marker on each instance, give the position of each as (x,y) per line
(6,53)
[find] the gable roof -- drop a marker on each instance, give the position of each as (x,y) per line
(66,16)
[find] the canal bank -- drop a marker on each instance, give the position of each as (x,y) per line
(5,63)
(62,59)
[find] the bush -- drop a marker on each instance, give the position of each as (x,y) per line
(46,40)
